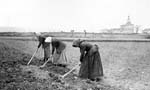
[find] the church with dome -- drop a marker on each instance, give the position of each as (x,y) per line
(128,27)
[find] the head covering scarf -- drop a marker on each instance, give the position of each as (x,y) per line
(77,42)
(48,39)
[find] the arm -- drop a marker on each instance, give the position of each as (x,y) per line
(39,44)
(82,51)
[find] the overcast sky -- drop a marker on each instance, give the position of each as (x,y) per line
(91,15)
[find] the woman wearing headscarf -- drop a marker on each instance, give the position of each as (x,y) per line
(91,65)
(45,45)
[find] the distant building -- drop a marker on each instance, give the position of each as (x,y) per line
(147,30)
(128,27)
(115,30)
(105,31)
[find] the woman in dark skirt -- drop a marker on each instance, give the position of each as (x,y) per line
(91,65)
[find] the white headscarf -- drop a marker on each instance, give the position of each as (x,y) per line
(48,39)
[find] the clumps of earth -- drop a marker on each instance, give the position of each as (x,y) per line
(16,75)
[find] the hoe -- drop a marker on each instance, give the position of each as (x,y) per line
(32,56)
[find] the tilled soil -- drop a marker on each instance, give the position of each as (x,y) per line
(16,75)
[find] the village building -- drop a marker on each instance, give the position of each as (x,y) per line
(146,30)
(128,27)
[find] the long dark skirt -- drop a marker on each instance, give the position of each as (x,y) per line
(91,66)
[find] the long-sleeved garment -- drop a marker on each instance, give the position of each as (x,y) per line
(91,65)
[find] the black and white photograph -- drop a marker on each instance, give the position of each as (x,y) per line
(74,44)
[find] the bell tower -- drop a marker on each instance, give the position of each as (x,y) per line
(128,20)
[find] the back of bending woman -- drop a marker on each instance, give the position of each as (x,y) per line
(59,52)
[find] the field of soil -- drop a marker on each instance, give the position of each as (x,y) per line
(126,67)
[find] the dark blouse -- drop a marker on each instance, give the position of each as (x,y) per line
(58,45)
(84,48)
(41,40)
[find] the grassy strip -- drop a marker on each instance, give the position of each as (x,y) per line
(71,39)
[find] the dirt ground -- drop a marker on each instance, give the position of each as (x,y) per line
(126,67)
